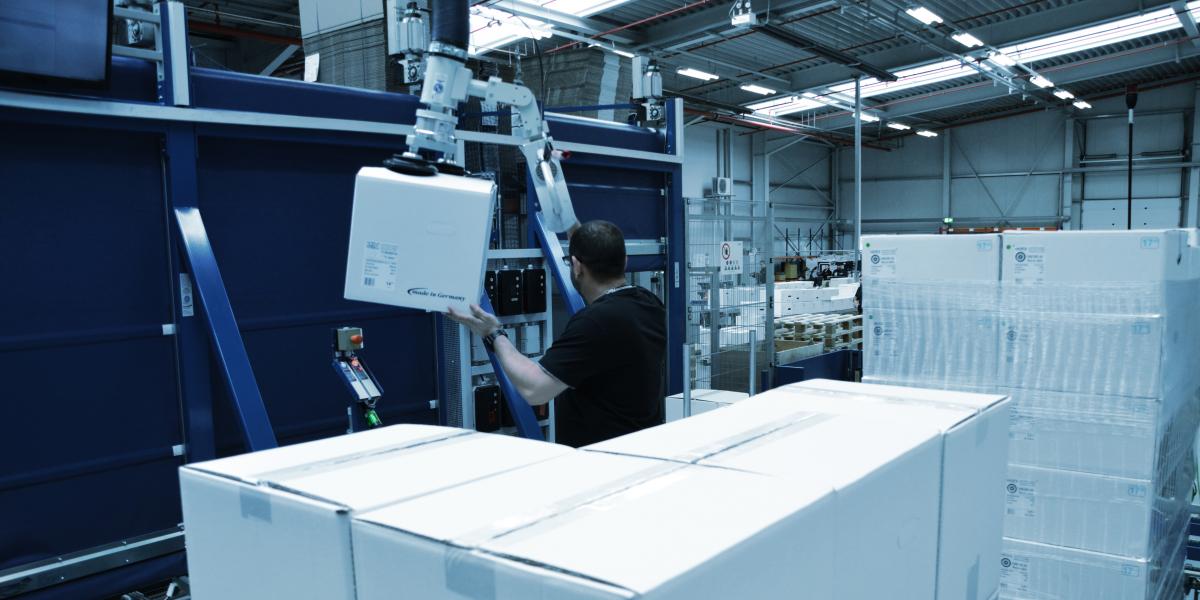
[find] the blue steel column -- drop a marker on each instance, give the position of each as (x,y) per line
(556,262)
(676,252)
(191,345)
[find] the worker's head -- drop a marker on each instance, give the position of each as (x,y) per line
(597,252)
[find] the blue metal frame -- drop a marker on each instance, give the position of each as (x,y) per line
(210,344)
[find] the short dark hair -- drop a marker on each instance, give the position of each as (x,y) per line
(600,246)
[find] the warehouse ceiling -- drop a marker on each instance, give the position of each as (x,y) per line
(800,57)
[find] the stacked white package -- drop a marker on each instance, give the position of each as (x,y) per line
(276,523)
(1096,342)
(594,526)
(740,335)
(703,400)
(1033,571)
(936,456)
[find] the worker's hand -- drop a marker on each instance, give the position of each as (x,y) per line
(479,321)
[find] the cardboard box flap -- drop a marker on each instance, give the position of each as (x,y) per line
(248,467)
(639,516)
(694,438)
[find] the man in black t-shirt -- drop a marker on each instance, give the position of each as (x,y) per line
(608,363)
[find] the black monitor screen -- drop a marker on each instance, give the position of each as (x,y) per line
(61,39)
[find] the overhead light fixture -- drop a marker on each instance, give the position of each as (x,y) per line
(967,39)
(1063,94)
(926,133)
(697,74)
(1002,59)
(924,15)
(757,89)
(898,126)
(1041,82)
(1082,105)
(869,118)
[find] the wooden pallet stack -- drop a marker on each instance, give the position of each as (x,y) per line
(832,331)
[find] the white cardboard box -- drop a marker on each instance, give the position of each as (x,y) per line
(864,460)
(599,526)
(418,242)
(1079,510)
(1104,435)
(948,349)
(974,456)
(931,257)
(1096,256)
(1032,571)
(276,523)
(702,401)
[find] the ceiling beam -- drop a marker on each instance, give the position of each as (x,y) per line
(561,20)
(1002,33)
(817,49)
(1063,76)
(1185,19)
(705,24)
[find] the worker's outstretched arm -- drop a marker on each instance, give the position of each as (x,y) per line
(532,382)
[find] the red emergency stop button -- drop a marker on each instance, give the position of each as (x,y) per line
(356,339)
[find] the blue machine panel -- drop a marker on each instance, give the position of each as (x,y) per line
(90,407)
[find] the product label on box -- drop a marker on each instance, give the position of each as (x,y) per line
(1021,498)
(881,263)
(1028,264)
(1014,575)
(984,245)
(381,263)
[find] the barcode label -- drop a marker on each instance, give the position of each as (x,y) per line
(369,281)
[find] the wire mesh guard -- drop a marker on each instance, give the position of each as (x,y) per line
(729,280)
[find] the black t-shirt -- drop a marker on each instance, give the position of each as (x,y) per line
(612,356)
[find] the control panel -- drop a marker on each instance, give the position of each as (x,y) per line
(361,384)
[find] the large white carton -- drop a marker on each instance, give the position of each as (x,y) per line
(931,257)
(276,523)
(974,456)
(942,348)
(597,526)
(863,459)
(418,242)
(1104,435)
(1080,510)
(1032,571)
(1032,257)
(702,401)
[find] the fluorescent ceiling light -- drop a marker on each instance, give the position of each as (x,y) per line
(1001,59)
(926,133)
(967,40)
(697,74)
(1041,82)
(869,118)
(579,8)
(757,89)
(1063,94)
(1082,105)
(621,53)
(898,126)
(923,15)
(783,106)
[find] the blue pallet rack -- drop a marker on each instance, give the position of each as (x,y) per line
(117,203)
